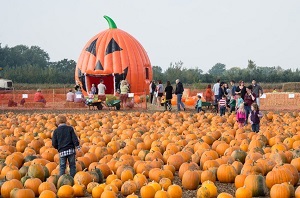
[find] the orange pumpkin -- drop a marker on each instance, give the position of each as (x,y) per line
(174,191)
(33,184)
(8,186)
(47,194)
(16,192)
(113,55)
(65,191)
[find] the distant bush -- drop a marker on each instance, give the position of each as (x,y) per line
(25,86)
(291,87)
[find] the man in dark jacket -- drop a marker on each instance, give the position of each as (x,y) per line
(179,91)
(257,89)
(65,140)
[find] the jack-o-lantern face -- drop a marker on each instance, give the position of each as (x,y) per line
(113,55)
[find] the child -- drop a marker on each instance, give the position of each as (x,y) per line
(199,104)
(163,101)
(65,140)
(222,105)
(93,89)
(241,115)
(239,101)
(254,117)
(232,104)
(90,98)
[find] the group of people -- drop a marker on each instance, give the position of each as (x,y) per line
(78,96)
(99,91)
(242,99)
(38,97)
(160,95)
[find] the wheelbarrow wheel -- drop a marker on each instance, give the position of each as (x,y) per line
(118,106)
(99,106)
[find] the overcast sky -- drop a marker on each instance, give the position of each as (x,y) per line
(199,33)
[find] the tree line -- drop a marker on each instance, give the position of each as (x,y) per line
(25,64)
(218,71)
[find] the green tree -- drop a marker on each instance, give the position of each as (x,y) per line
(251,65)
(192,75)
(175,71)
(157,73)
(234,73)
(217,70)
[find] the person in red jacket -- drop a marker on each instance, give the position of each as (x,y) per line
(38,97)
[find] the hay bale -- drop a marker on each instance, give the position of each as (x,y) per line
(34,105)
(74,105)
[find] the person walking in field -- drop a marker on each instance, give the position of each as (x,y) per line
(199,104)
(257,89)
(169,95)
(239,101)
(241,115)
(152,88)
(179,91)
(208,94)
(124,89)
(160,92)
(249,99)
(93,89)
(65,140)
(241,89)
(232,104)
(233,87)
(101,90)
(222,105)
(254,117)
(216,88)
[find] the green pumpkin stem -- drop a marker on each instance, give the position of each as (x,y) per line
(111,23)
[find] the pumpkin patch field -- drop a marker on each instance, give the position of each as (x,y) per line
(151,154)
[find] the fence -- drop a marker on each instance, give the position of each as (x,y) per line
(280,101)
(56,98)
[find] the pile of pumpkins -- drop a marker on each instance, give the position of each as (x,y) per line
(138,154)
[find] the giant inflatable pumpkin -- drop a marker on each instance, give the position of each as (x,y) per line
(113,55)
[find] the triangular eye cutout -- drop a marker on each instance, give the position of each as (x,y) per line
(112,47)
(98,66)
(92,47)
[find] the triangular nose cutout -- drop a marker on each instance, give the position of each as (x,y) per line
(98,66)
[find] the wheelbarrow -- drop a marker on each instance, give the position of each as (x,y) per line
(113,104)
(94,105)
(213,107)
